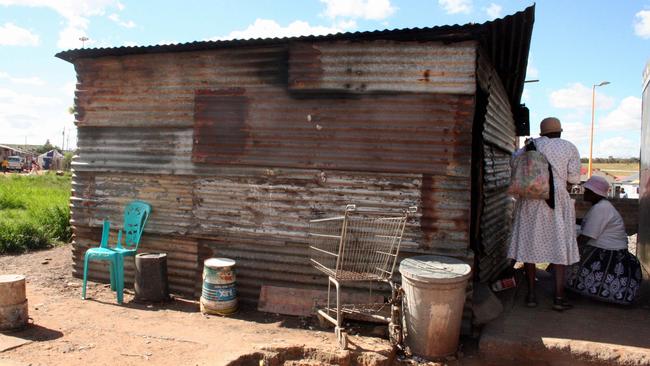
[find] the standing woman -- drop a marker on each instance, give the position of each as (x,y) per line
(545,234)
(607,271)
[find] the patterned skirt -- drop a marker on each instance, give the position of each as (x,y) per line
(606,275)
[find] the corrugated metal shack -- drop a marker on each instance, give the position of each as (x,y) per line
(237,144)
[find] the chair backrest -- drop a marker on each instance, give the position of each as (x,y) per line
(136,214)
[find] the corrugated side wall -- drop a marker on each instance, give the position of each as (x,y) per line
(498,145)
(643,239)
(136,120)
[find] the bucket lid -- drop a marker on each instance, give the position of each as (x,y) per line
(435,268)
(11,278)
(219,262)
(151,255)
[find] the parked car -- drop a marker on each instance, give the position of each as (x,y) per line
(16,163)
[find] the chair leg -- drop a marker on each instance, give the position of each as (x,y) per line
(119,276)
(83,289)
(111,270)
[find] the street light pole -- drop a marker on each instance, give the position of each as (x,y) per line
(593,112)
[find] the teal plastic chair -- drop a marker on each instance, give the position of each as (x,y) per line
(136,215)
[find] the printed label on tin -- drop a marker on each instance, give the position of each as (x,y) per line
(216,292)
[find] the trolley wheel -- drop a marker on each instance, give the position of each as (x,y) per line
(343,340)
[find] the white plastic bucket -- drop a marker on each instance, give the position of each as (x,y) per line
(218,295)
(434,296)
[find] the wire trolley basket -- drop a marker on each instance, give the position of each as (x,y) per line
(354,247)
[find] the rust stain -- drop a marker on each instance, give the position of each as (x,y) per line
(426,76)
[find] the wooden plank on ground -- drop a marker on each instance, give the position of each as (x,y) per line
(302,302)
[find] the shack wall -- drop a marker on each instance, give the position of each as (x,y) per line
(137,121)
(496,146)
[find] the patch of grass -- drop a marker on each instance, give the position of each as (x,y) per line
(34,211)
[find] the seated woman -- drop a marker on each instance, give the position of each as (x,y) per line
(607,271)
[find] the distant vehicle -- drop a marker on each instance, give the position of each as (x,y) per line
(16,163)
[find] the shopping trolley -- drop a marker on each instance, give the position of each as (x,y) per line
(359,246)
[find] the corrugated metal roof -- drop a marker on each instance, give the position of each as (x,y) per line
(507,41)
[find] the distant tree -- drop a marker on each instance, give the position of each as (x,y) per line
(47,147)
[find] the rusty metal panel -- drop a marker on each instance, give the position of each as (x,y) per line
(496,215)
(103,196)
(423,133)
(277,205)
(414,133)
(383,66)
(158,90)
(499,127)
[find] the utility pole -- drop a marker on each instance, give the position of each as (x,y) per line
(63,140)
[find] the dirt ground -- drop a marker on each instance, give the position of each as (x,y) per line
(67,330)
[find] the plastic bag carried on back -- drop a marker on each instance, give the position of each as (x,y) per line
(531,174)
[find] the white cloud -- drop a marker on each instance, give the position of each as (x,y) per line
(642,24)
(264,28)
(116,18)
(364,9)
(579,96)
(34,117)
(13,35)
(494,10)
(576,132)
(32,80)
(456,6)
(617,146)
(627,116)
(76,13)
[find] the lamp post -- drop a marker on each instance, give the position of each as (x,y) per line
(593,110)
(83,40)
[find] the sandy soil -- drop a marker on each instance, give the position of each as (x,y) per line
(67,330)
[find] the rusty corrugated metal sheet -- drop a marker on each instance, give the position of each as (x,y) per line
(383,66)
(416,133)
(499,127)
(496,218)
(498,144)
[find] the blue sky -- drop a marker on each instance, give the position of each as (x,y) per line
(575,45)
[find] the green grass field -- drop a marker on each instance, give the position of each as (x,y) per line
(34,211)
